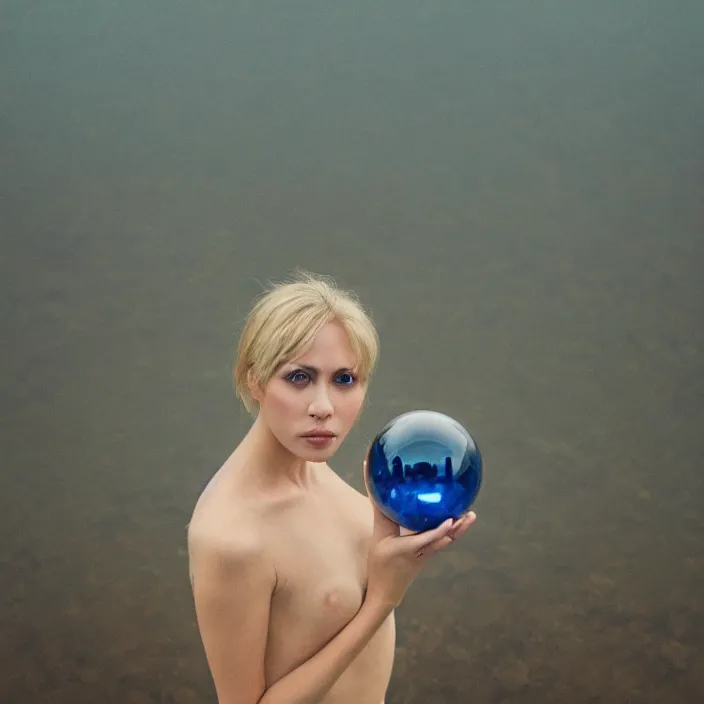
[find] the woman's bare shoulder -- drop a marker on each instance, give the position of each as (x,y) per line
(221,521)
(225,543)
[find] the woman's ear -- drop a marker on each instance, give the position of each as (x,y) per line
(255,390)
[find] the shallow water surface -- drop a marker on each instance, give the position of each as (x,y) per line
(515,190)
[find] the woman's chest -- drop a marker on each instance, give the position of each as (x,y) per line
(320,557)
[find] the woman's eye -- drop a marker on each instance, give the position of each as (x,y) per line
(346,379)
(298,377)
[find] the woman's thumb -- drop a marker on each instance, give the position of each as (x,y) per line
(383,525)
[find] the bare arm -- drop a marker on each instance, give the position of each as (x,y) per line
(312,680)
(232,587)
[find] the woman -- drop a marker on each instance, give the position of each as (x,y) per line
(295,574)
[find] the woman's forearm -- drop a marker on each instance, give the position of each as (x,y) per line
(313,679)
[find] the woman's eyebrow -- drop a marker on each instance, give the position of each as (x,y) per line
(314,370)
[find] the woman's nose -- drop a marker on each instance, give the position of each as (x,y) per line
(321,406)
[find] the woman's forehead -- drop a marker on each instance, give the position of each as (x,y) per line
(330,349)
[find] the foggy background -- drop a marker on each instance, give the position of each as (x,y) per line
(514,189)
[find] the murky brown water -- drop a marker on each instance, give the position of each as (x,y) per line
(515,191)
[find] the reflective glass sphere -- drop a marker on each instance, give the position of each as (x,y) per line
(423,468)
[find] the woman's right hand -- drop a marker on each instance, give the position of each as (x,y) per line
(395,560)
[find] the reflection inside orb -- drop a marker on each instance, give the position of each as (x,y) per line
(430,498)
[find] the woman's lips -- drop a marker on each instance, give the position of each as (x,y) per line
(319,439)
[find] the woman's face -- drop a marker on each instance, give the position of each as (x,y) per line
(311,402)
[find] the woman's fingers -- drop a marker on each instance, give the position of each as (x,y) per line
(420,541)
(442,541)
(461,526)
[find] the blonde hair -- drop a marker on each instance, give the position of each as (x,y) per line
(286,319)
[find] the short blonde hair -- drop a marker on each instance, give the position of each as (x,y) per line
(286,319)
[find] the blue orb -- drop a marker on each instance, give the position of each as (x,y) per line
(423,468)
